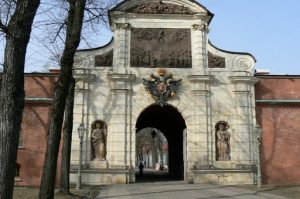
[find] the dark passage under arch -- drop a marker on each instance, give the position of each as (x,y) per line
(169,121)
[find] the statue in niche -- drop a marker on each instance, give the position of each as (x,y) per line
(222,141)
(98,139)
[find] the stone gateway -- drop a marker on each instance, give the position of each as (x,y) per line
(161,74)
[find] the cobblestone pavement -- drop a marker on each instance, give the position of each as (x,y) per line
(175,190)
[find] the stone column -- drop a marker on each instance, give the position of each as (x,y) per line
(122,141)
(199,137)
(243,141)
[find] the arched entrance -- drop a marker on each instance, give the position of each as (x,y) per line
(171,123)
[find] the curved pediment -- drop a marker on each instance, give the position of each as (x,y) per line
(188,7)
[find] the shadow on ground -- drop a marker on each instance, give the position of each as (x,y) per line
(155,176)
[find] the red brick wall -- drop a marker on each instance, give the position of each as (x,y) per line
(278,88)
(40,85)
(281,130)
(35,128)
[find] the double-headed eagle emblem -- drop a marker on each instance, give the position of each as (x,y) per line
(162,87)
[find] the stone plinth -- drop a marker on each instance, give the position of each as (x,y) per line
(103,176)
(98,164)
(225,176)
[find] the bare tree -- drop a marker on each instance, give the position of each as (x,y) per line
(94,15)
(67,140)
(16,28)
(73,33)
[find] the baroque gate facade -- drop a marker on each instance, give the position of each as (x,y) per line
(160,56)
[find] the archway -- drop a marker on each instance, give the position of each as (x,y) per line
(170,122)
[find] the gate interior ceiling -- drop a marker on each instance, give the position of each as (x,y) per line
(169,121)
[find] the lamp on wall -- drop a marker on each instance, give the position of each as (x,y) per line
(81,130)
(259,131)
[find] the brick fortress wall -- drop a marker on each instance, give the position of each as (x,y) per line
(36,116)
(280,121)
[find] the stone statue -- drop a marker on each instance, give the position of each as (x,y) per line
(222,141)
(98,138)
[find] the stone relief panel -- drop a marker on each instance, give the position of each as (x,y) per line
(215,61)
(98,140)
(222,141)
(104,60)
(160,47)
(160,8)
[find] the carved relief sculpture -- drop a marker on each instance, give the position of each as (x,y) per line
(203,27)
(160,8)
(162,87)
(156,47)
(222,141)
(98,139)
(104,60)
(215,61)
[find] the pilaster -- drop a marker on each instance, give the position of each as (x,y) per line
(121,48)
(242,148)
(199,140)
(83,78)
(199,46)
(121,153)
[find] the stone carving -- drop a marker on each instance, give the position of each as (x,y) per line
(203,27)
(215,61)
(222,141)
(160,8)
(243,63)
(104,60)
(121,26)
(98,138)
(154,47)
(77,62)
(162,87)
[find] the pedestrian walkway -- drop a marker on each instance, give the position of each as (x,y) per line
(176,190)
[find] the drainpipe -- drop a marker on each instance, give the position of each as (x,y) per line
(258,139)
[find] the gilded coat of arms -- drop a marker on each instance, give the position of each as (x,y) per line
(162,87)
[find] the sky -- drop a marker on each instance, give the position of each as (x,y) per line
(268,29)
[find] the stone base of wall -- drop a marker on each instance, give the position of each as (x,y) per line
(224,176)
(103,176)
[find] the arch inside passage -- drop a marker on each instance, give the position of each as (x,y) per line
(170,122)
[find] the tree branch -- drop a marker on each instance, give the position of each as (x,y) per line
(58,32)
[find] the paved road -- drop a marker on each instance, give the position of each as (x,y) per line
(175,190)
